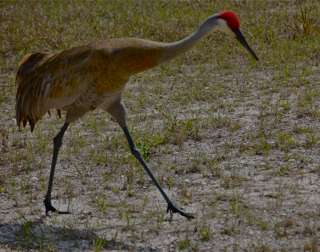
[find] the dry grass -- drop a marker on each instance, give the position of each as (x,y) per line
(234,141)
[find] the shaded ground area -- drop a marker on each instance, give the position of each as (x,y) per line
(233,141)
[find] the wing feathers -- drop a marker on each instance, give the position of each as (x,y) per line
(28,105)
(46,81)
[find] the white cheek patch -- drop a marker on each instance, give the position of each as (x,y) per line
(223,26)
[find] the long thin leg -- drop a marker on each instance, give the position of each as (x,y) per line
(171,207)
(57,142)
(118,112)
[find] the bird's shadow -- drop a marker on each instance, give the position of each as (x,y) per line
(39,235)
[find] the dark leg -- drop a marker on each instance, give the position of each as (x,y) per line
(171,207)
(118,112)
(57,142)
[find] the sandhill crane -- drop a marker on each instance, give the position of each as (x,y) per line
(83,78)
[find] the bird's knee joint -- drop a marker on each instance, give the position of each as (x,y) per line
(57,141)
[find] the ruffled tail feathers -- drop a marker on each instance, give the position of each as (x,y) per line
(31,121)
(25,112)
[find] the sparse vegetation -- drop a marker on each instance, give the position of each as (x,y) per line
(234,140)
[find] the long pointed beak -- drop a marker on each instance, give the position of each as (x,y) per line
(243,41)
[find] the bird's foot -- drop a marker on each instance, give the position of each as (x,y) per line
(173,209)
(50,208)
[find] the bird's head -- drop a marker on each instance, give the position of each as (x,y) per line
(230,21)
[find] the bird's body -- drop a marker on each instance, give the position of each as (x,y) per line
(83,78)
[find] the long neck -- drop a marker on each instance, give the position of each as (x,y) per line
(174,49)
(137,55)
